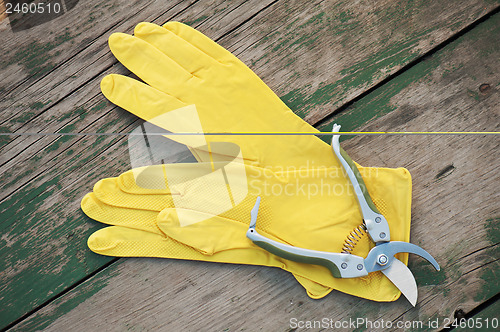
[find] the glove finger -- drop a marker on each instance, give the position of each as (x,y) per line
(111,215)
(149,63)
(199,186)
(157,107)
(108,191)
(185,54)
(126,242)
(138,98)
(155,179)
(200,41)
(148,180)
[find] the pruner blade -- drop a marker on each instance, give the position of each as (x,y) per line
(381,258)
(400,275)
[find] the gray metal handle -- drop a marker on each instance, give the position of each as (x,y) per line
(376,224)
(340,265)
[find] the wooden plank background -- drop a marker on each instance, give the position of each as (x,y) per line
(329,61)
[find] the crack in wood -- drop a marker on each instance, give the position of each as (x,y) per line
(445,172)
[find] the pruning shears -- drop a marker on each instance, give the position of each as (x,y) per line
(346,265)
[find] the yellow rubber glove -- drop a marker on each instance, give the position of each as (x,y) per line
(315,210)
(194,49)
(183,67)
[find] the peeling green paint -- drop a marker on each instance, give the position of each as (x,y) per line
(4,139)
(425,274)
(99,106)
(363,311)
(81,112)
(75,112)
(493,231)
(363,73)
(36,57)
(358,75)
(39,105)
(378,103)
(197,20)
(65,304)
(56,256)
(24,117)
(4,129)
(490,274)
(62,139)
(36,234)
(473,94)
(488,317)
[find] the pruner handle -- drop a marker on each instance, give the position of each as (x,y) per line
(340,265)
(376,224)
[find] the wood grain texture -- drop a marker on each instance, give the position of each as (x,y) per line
(50,77)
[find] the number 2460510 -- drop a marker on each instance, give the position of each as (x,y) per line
(473,323)
(38,8)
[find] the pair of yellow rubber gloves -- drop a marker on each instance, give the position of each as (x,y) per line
(201,211)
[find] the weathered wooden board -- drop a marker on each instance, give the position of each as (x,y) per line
(455,217)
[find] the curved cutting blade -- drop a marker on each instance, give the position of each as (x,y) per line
(389,249)
(400,275)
